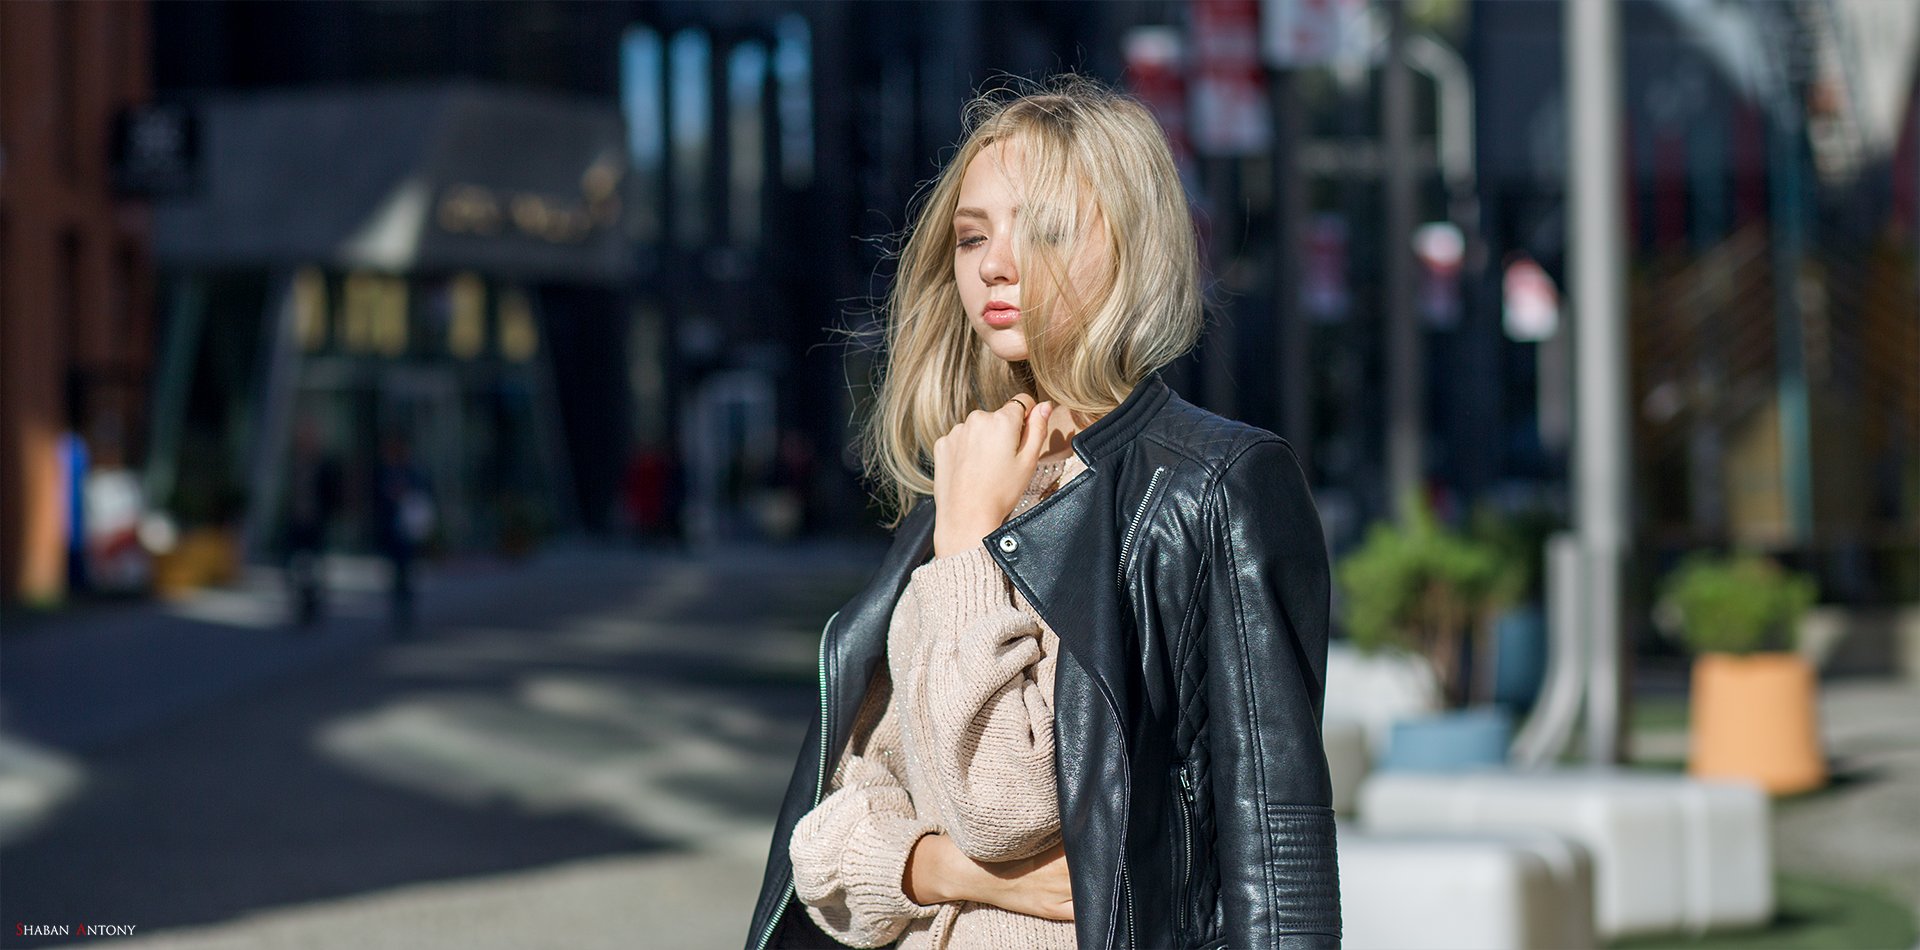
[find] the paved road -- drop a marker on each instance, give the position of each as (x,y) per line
(580,752)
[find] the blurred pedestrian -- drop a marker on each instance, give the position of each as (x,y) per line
(404,519)
(1052,491)
(313,495)
(793,481)
(644,493)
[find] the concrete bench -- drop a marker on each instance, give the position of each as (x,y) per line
(1348,760)
(1670,853)
(1514,890)
(1377,689)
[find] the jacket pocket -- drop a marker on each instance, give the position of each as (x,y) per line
(1305,869)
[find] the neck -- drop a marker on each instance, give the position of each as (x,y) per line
(1061,428)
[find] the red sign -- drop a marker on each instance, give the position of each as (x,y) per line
(1229,87)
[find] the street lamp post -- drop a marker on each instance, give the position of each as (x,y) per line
(1601,448)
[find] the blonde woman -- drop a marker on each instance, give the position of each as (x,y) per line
(1079,703)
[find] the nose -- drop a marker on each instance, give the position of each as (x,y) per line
(996,266)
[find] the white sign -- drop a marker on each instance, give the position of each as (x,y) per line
(1315,32)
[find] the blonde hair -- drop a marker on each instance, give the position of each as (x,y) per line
(1090,156)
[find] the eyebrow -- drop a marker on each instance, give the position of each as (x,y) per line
(970,213)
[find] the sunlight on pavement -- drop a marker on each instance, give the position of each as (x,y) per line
(34,782)
(658,761)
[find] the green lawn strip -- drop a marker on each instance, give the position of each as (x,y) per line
(1809,915)
(1659,714)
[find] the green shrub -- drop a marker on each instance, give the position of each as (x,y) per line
(1426,589)
(1739,604)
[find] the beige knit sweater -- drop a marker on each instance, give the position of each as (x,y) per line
(956,737)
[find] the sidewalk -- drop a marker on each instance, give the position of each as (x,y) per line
(689,892)
(1864,828)
(91,676)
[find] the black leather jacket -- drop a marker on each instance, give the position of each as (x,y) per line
(1186,576)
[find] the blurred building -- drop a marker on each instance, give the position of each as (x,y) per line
(383,266)
(770,151)
(1775,315)
(75,290)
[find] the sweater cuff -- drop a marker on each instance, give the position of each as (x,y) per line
(876,866)
(963,585)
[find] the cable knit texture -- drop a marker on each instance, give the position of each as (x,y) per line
(955,737)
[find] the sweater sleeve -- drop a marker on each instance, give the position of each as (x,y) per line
(976,689)
(850,852)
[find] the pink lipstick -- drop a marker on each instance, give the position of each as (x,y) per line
(1000,314)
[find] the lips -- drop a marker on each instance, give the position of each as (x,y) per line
(1000,315)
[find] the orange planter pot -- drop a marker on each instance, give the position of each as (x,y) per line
(1757,718)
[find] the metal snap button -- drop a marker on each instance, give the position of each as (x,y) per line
(1009,543)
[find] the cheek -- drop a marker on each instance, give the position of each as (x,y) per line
(972,291)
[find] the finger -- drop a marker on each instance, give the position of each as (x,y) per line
(1014,410)
(1035,436)
(1026,402)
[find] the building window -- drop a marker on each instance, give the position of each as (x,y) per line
(467,315)
(374,314)
(793,65)
(519,334)
(691,123)
(645,111)
(310,308)
(746,86)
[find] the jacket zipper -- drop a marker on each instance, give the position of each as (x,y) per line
(819,785)
(1126,543)
(1186,841)
(1126,884)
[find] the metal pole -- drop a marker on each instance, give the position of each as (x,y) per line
(1601,447)
(1406,383)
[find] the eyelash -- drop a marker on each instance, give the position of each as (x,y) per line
(970,241)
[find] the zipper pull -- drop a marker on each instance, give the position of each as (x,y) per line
(1186,781)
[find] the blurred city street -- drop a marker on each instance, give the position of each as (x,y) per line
(581,750)
(433,435)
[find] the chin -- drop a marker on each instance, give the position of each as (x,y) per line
(1008,345)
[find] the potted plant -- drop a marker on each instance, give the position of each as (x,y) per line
(1517,635)
(1424,588)
(1754,705)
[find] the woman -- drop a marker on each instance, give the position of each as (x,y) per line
(1079,704)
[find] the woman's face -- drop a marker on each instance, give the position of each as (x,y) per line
(983,251)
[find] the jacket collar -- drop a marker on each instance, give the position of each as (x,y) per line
(1059,524)
(1116,429)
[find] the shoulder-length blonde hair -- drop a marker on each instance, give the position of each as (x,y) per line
(1095,169)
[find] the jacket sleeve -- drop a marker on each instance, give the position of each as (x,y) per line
(976,680)
(850,852)
(1265,633)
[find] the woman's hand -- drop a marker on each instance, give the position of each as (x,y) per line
(1038,886)
(982,467)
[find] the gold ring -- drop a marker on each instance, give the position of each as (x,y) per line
(1023,404)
